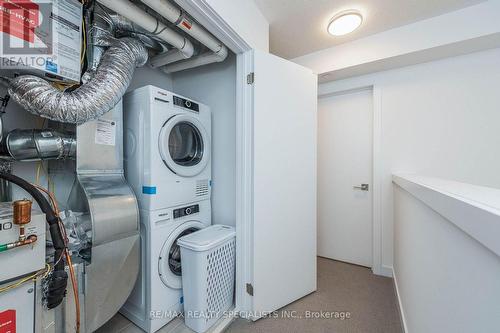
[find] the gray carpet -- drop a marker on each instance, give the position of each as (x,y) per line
(370,300)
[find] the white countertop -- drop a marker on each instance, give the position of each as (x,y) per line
(474,209)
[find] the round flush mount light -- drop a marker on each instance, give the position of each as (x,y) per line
(344,23)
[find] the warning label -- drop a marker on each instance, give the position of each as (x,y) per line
(105,132)
(186,23)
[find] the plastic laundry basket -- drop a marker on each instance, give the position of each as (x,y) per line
(208,275)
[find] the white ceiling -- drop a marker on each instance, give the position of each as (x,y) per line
(298,27)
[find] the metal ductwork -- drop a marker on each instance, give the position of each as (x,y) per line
(107,262)
(92,99)
(38,144)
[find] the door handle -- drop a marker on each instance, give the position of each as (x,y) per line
(362,187)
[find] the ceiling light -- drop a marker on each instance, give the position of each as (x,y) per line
(344,23)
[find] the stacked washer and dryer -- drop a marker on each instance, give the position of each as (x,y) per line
(167,163)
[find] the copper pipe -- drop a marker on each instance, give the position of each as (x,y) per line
(22,211)
(22,215)
(30,240)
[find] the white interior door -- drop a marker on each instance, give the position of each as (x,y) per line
(344,164)
(284,182)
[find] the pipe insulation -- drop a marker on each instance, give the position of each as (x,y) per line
(135,14)
(58,279)
(92,99)
(192,28)
(40,144)
(5,188)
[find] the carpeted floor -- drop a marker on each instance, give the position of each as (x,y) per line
(343,288)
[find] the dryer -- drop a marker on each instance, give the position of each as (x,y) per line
(157,295)
(167,148)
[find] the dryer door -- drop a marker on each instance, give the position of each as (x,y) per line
(169,262)
(184,145)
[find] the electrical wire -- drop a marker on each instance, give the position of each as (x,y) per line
(40,167)
(43,273)
(67,255)
(84,42)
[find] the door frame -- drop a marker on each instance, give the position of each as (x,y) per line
(215,24)
(377,267)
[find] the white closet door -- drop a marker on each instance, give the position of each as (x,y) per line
(284,182)
(345,141)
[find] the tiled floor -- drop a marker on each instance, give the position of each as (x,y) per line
(369,299)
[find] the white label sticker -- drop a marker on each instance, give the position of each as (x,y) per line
(105,132)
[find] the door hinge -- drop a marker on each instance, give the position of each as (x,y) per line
(251,78)
(249,289)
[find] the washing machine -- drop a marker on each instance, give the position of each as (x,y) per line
(167,148)
(157,296)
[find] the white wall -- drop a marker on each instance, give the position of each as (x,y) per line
(439,119)
(447,281)
(147,75)
(245,18)
(215,85)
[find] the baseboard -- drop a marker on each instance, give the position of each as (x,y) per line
(400,304)
(223,323)
(383,271)
(387,271)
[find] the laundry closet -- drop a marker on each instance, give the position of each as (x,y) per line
(247,123)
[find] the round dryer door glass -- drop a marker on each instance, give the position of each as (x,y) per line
(184,145)
(174,255)
(169,261)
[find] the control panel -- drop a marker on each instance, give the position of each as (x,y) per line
(182,102)
(185,211)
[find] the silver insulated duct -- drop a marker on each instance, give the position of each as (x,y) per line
(39,144)
(92,99)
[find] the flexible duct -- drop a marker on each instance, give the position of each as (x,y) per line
(121,26)
(38,144)
(92,99)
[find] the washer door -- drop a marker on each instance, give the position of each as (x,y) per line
(169,262)
(184,145)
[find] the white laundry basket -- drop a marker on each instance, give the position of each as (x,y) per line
(208,275)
